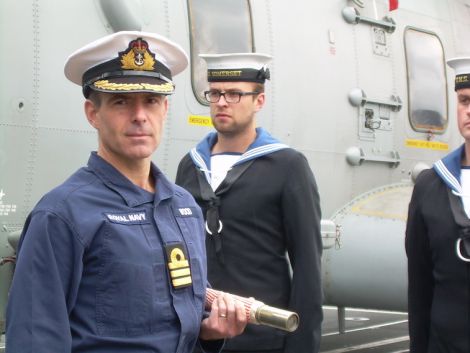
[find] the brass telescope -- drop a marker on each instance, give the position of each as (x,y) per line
(259,313)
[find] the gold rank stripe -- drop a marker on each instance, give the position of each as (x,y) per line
(180,273)
(200,120)
(184,281)
(432,145)
(179,264)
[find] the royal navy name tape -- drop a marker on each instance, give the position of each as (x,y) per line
(128,218)
(142,218)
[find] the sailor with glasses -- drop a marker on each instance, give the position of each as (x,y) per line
(438,243)
(261,207)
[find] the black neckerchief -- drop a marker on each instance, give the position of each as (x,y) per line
(214,225)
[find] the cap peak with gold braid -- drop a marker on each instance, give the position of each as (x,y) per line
(461,66)
(249,67)
(127,62)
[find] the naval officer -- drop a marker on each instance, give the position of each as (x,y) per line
(438,243)
(113,260)
(260,202)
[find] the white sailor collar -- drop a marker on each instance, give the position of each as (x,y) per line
(263,145)
(449,169)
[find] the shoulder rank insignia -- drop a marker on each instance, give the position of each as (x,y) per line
(137,56)
(178,266)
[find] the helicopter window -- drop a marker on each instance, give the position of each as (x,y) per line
(217,27)
(427,82)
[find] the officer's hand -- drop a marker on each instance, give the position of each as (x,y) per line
(227,319)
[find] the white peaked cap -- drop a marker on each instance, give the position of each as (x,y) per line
(127,61)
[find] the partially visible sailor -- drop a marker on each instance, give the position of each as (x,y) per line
(438,242)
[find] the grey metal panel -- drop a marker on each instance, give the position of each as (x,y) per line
(15,172)
(369,268)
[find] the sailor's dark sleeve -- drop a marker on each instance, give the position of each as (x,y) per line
(420,279)
(183,172)
(302,216)
(44,288)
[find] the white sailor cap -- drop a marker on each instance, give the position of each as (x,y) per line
(250,67)
(461,66)
(126,62)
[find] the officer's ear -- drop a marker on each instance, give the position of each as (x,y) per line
(91,110)
(166,106)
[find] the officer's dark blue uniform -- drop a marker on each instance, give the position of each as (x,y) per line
(113,260)
(111,291)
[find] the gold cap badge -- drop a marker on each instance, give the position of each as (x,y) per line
(137,56)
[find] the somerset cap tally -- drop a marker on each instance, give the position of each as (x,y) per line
(250,67)
(128,61)
(462,71)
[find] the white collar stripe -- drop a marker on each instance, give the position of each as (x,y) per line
(198,159)
(263,150)
(448,176)
(201,164)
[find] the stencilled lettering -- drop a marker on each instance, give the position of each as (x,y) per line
(5,209)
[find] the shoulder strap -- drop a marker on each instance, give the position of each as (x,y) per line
(212,199)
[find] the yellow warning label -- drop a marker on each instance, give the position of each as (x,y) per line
(432,145)
(200,120)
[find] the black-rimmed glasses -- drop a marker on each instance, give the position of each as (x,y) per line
(213,96)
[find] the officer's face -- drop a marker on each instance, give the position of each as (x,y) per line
(235,118)
(129,125)
(463,112)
